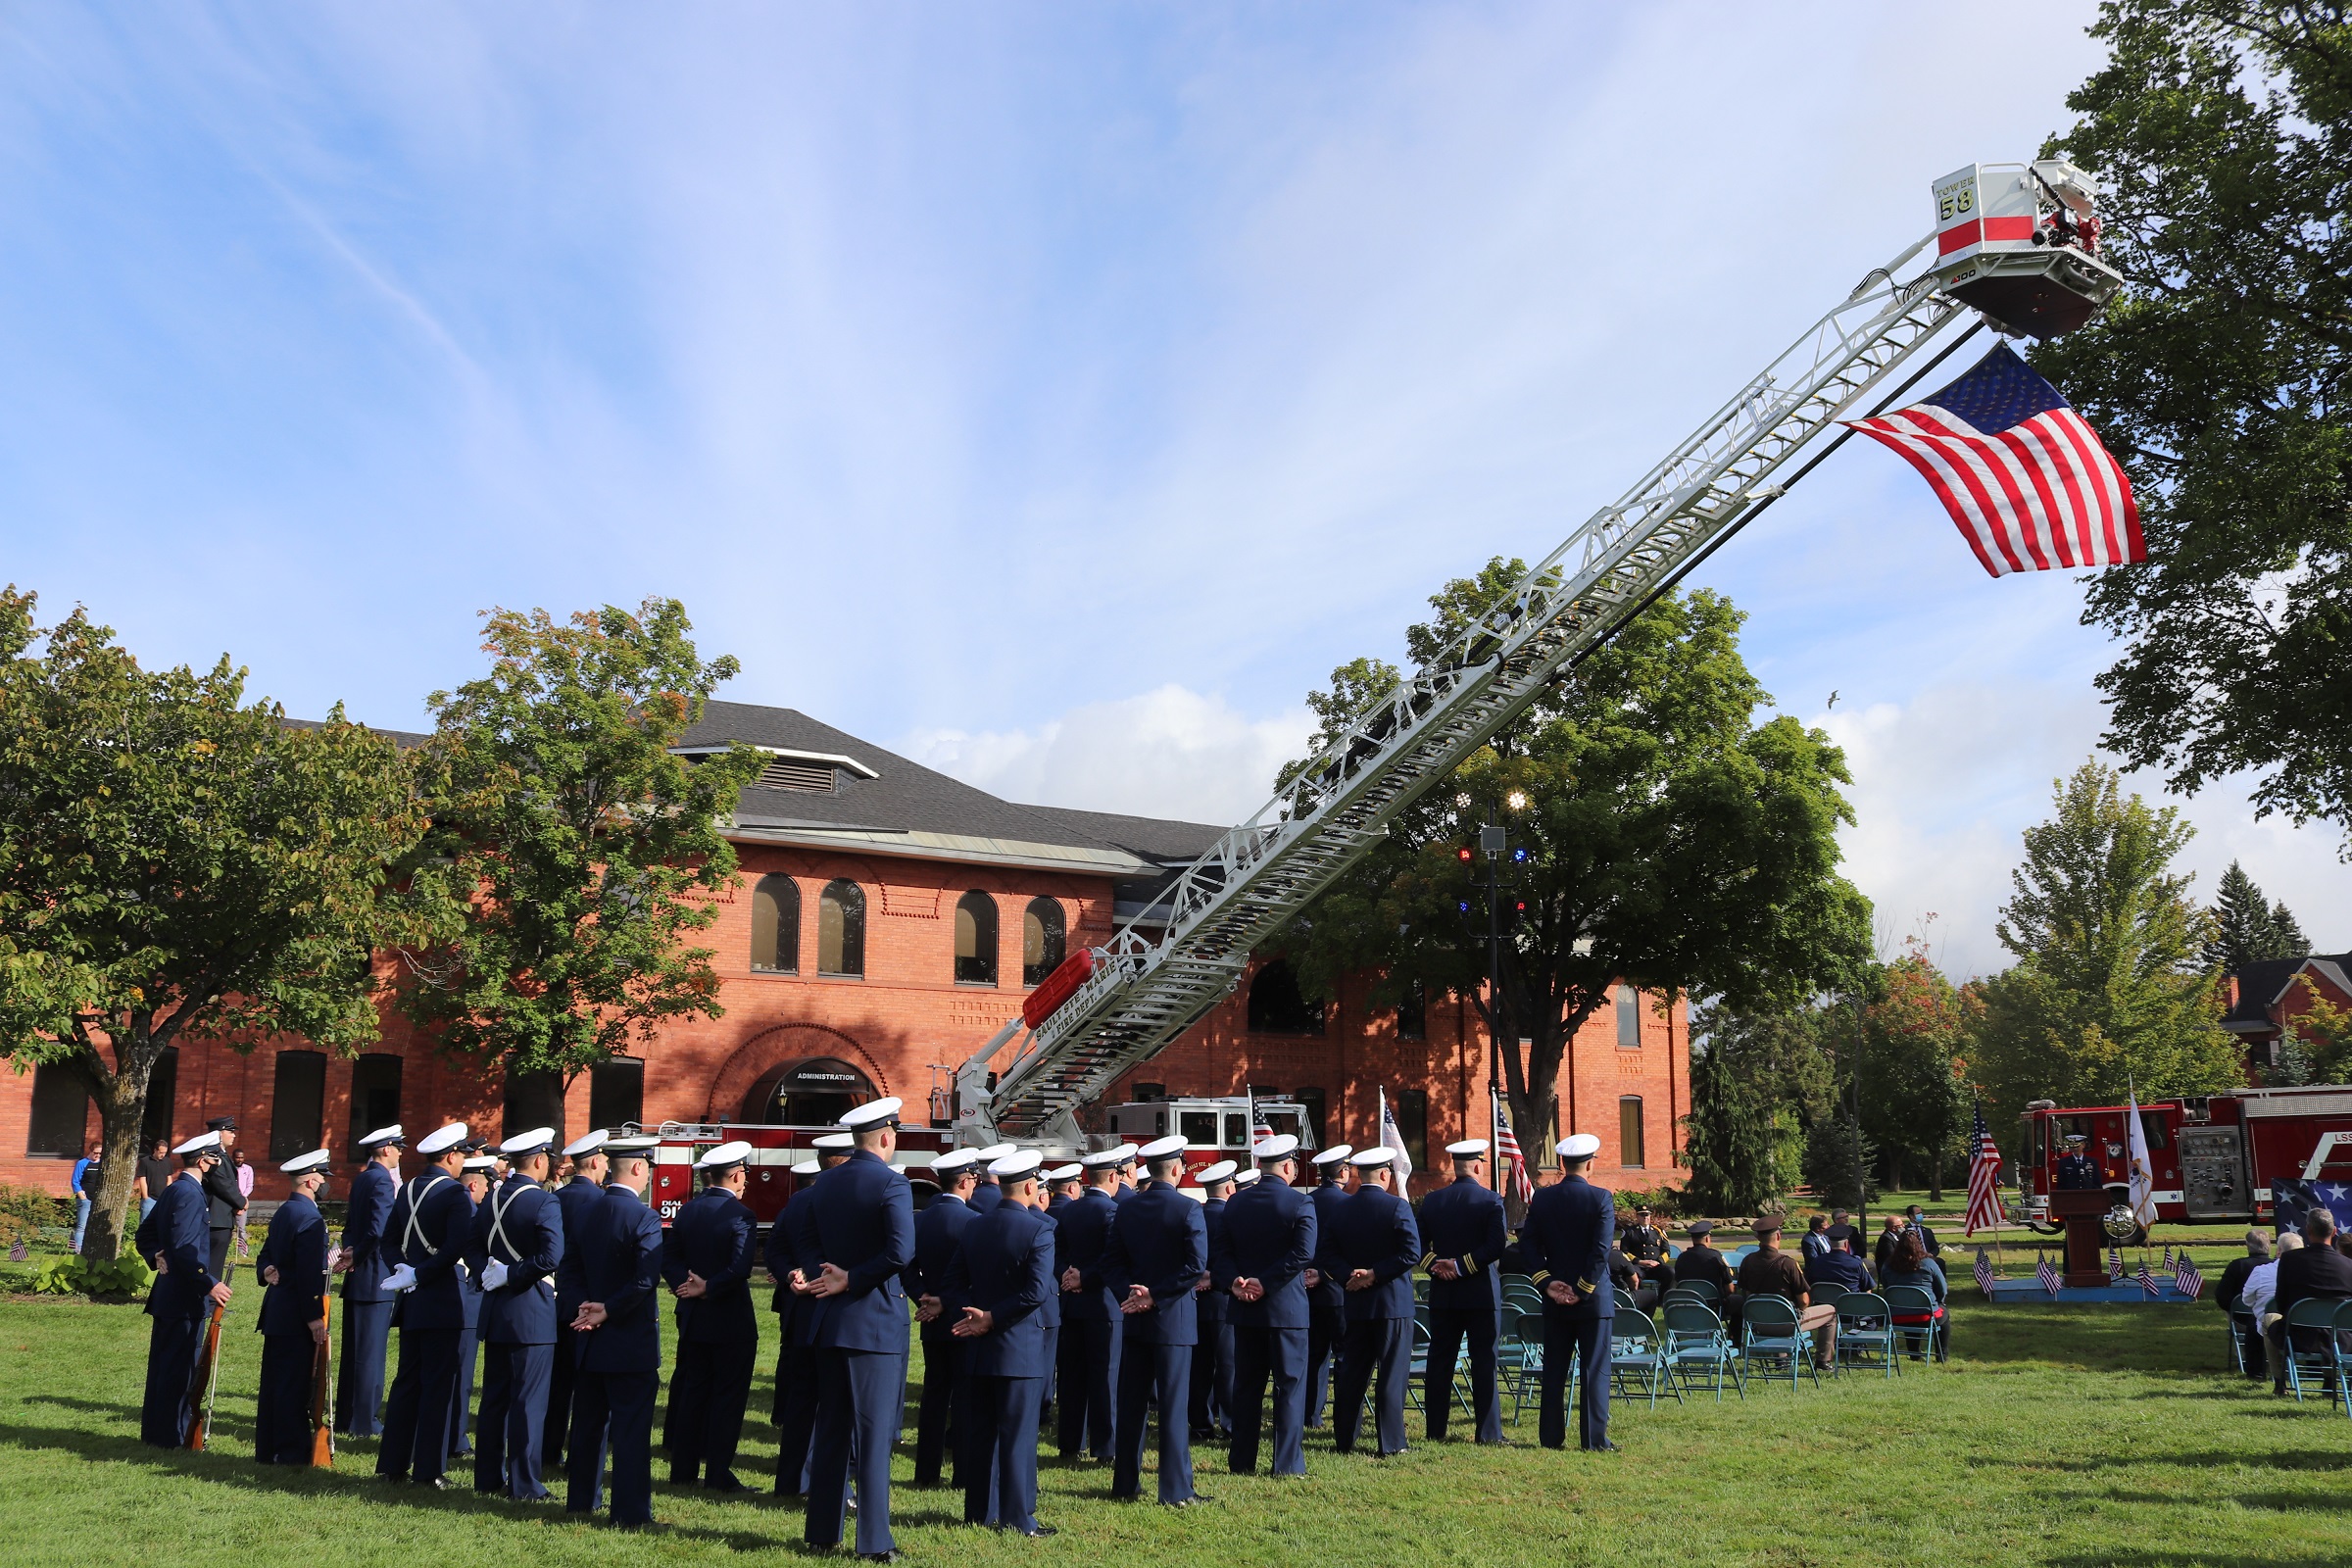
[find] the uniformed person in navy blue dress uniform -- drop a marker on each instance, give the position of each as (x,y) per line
(938,1232)
(708,1260)
(514,1248)
(578,1203)
(1463,1237)
(176,1242)
(1158,1250)
(364,1262)
(479,1174)
(986,1193)
(1375,1248)
(1326,1298)
(858,1228)
(293,1268)
(1065,1183)
(2077,1171)
(1062,1186)
(998,1283)
(618,1330)
(1212,1358)
(796,1359)
(1265,1249)
(427,1231)
(1564,1248)
(1086,1404)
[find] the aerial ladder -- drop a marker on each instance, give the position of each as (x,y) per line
(2015,248)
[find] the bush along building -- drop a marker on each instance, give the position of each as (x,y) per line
(888,921)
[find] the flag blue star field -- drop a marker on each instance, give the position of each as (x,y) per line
(2026,480)
(2294,1201)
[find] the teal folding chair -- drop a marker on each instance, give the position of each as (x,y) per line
(1624,1299)
(1768,1326)
(1704,1289)
(2242,1327)
(1915,1317)
(1417,1370)
(2315,1354)
(1866,1328)
(1637,1358)
(1698,1347)
(1827,1294)
(1526,1377)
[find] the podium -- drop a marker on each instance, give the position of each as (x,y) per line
(2086,1242)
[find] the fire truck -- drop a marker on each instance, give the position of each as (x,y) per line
(2214,1156)
(1214,1129)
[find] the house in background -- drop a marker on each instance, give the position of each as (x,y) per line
(2264,998)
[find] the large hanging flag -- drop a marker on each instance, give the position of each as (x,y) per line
(1983,1179)
(2144,1169)
(2025,480)
(1507,1155)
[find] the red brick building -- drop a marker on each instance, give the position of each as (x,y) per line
(888,922)
(2264,999)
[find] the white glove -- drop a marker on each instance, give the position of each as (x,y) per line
(494,1275)
(403,1278)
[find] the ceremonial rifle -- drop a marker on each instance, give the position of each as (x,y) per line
(206,1373)
(322,1425)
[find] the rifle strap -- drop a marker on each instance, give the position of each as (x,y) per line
(499,1202)
(421,1189)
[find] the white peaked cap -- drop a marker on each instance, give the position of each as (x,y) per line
(442,1140)
(1244,1178)
(807,1167)
(1103,1159)
(1210,1175)
(1281,1146)
(588,1145)
(1063,1173)
(1467,1149)
(953,1161)
(727,1154)
(529,1143)
(1334,1155)
(480,1162)
(633,1144)
(1369,1158)
(872,1112)
(382,1136)
(304,1164)
(1019,1163)
(995,1151)
(1162,1148)
(1579,1145)
(827,1143)
(199,1144)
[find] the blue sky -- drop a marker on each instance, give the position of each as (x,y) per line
(1053,392)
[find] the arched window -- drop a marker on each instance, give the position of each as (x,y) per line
(776,926)
(1276,1007)
(1043,939)
(975,940)
(840,929)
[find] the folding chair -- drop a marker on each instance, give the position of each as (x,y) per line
(1697,1345)
(1916,1317)
(2242,1327)
(1864,1329)
(1827,1294)
(1417,1370)
(1636,1353)
(1704,1289)
(2315,1353)
(1768,1326)
(1526,1377)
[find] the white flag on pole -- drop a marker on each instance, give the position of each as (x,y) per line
(2144,1183)
(1390,1136)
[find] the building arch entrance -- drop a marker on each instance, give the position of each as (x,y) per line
(797,1075)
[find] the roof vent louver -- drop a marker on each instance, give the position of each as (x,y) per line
(806,778)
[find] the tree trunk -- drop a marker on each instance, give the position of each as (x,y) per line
(1935,1175)
(121,1098)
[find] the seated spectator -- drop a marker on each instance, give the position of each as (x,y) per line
(2230,1293)
(1628,1278)
(1916,1219)
(1769,1271)
(1816,1242)
(1839,1266)
(1911,1265)
(2314,1271)
(1888,1240)
(1700,1261)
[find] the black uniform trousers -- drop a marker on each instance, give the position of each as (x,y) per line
(461,1408)
(1212,1380)
(416,1416)
(505,1446)
(1086,1406)
(996,1459)
(1326,1332)
(164,1412)
(857,1403)
(944,1394)
(1587,1339)
(1151,1372)
(1383,1345)
(1257,1354)
(796,1416)
(221,1236)
(1044,1385)
(558,1424)
(1449,1328)
(706,1400)
(281,1410)
(611,1410)
(360,1378)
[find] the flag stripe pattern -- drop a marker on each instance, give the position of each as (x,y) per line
(2147,1281)
(1507,1155)
(2115,1266)
(2025,480)
(2187,1276)
(2047,1272)
(1983,1270)
(1984,1179)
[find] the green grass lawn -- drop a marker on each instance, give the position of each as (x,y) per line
(2072,1436)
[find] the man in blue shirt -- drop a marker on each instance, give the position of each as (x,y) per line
(515,1250)
(1158,1252)
(84,1184)
(1463,1240)
(1267,1241)
(293,1268)
(708,1261)
(176,1240)
(998,1283)
(364,1262)
(1564,1248)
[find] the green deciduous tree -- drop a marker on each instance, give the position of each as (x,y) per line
(1758,1082)
(177,864)
(574,852)
(2108,991)
(1913,1093)
(2248,927)
(1673,842)
(2224,130)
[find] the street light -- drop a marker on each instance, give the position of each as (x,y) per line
(1516,800)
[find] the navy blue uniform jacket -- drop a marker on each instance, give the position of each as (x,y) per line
(621,1261)
(296,1247)
(1326,1198)
(1080,1244)
(1211,1305)
(938,1231)
(985,1196)
(860,1219)
(1375,1230)
(796,1314)
(176,1228)
(1160,1240)
(716,1236)
(363,1216)
(1270,1235)
(433,1246)
(1463,1221)
(522,1227)
(1567,1235)
(1006,1268)
(581,1202)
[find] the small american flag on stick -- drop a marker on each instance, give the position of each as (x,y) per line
(1984,1179)
(2187,1276)
(2115,1266)
(2025,480)
(18,1252)
(1507,1155)
(2147,1280)
(2047,1272)
(1984,1271)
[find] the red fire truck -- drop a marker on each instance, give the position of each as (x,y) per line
(1214,1128)
(2214,1156)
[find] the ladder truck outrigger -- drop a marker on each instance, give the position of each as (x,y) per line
(2014,247)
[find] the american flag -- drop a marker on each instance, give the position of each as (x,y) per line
(2025,480)
(2046,1272)
(2187,1277)
(2147,1281)
(1984,1179)
(18,1252)
(1507,1155)
(2115,1266)
(1983,1272)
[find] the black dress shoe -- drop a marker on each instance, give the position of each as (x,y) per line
(877,1557)
(725,1484)
(1194,1501)
(1496,1443)
(438,1484)
(1604,1445)
(685,1478)
(1040,1532)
